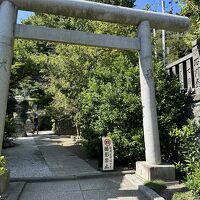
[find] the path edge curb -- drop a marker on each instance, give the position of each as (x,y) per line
(73,177)
(149,193)
(146,191)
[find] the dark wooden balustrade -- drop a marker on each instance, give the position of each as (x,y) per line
(187,69)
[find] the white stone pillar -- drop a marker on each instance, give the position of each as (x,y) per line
(150,124)
(7,20)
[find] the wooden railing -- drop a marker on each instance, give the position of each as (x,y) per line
(187,69)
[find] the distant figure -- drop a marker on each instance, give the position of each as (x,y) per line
(36,123)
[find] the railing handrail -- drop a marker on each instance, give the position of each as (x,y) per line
(183,59)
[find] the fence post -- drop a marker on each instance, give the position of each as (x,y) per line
(196,64)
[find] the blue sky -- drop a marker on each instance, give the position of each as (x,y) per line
(155,5)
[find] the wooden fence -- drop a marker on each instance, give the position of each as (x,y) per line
(188,69)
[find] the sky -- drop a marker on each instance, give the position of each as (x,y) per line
(140,4)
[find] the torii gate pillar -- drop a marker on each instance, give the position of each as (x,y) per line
(152,168)
(150,123)
(7,20)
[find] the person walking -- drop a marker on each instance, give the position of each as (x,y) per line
(36,123)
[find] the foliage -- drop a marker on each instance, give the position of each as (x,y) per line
(9,126)
(180,44)
(156,185)
(45,123)
(125,3)
(111,105)
(170,109)
(3,170)
(24,109)
(11,105)
(191,9)
(187,147)
(188,152)
(58,72)
(183,196)
(193,179)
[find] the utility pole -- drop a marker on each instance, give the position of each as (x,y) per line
(155,49)
(163,35)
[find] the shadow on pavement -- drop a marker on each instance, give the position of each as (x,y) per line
(61,156)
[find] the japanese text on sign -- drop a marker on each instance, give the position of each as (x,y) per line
(108,154)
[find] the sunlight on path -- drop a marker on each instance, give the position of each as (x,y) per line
(25,159)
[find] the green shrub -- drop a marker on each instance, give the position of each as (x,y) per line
(10,126)
(156,185)
(188,152)
(129,147)
(187,147)
(193,180)
(170,109)
(45,123)
(24,109)
(183,196)
(111,104)
(3,169)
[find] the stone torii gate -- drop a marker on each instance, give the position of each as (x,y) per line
(145,20)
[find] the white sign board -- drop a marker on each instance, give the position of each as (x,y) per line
(108,154)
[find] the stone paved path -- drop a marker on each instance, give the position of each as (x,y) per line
(47,155)
(115,188)
(44,155)
(59,159)
(26,160)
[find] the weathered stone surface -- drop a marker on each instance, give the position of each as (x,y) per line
(14,190)
(152,172)
(76,37)
(147,85)
(7,16)
(105,12)
(115,188)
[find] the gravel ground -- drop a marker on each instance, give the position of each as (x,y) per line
(25,159)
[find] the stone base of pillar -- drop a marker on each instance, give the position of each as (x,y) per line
(151,172)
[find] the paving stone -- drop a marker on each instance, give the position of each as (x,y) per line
(14,190)
(54,195)
(46,158)
(60,186)
(105,183)
(112,194)
(26,160)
